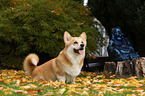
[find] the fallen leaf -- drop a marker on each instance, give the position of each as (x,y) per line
(32,91)
(49,94)
(8,81)
(28,86)
(61,91)
(21,91)
(72,91)
(1,88)
(73,85)
(18,82)
(85,93)
(8,91)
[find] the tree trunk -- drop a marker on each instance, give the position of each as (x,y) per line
(119,69)
(139,66)
(143,65)
(110,67)
(130,68)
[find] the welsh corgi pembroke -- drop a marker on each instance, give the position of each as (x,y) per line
(65,67)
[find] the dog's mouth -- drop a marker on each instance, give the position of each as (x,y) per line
(79,51)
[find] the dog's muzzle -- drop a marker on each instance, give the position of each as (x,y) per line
(81,50)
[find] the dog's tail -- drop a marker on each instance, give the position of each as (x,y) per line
(30,63)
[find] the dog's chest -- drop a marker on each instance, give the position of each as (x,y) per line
(75,69)
(76,60)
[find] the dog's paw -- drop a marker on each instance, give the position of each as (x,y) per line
(61,78)
(73,82)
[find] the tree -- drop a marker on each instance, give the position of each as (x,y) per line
(28,26)
(127,14)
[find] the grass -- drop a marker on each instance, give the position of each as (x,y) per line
(18,83)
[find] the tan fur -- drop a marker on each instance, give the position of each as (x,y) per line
(28,65)
(66,66)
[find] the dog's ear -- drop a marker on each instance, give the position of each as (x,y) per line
(67,37)
(83,36)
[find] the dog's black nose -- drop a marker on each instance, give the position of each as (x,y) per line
(82,45)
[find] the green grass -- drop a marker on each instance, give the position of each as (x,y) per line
(18,83)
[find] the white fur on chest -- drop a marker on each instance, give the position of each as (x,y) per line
(75,69)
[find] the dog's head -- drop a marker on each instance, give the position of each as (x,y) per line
(75,44)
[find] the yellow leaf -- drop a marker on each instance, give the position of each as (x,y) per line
(55,84)
(61,91)
(21,91)
(8,93)
(21,72)
(100,94)
(126,90)
(120,90)
(142,94)
(82,90)
(130,95)
(104,86)
(73,85)
(86,89)
(49,94)
(24,87)
(1,88)
(85,93)
(95,80)
(8,90)
(100,76)
(72,91)
(28,86)
(8,81)
(18,82)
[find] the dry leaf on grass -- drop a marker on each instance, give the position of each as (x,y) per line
(87,84)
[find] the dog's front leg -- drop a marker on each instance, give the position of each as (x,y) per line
(61,78)
(73,79)
(70,79)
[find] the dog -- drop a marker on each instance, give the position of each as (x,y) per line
(65,67)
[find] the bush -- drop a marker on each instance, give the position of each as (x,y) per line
(38,26)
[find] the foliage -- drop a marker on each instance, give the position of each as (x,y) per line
(4,4)
(129,15)
(38,26)
(15,83)
(80,1)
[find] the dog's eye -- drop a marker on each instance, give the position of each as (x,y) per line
(75,42)
(82,42)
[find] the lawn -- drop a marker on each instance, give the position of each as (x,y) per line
(15,83)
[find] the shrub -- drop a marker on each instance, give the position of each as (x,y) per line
(38,26)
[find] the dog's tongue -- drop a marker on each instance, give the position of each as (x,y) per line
(81,51)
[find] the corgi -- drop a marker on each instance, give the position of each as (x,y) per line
(65,67)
